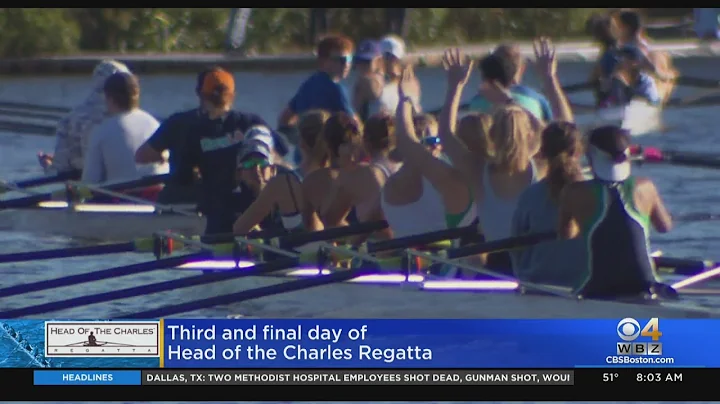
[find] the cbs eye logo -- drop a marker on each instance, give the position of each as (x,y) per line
(629,329)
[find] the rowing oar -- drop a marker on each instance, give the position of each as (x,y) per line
(689,159)
(336,277)
(40,181)
(37,107)
(30,114)
(116,272)
(35,199)
(291,260)
(141,245)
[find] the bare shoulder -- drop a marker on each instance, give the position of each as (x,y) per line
(645,184)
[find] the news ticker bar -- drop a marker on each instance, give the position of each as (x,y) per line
(292,377)
(595,384)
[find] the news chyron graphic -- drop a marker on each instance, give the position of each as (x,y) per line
(640,343)
(102,339)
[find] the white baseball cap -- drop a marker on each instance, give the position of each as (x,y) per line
(394,46)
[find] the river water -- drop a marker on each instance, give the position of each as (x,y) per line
(688,192)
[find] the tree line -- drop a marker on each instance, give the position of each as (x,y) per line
(57,31)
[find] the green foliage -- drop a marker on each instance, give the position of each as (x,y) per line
(33,31)
(29,32)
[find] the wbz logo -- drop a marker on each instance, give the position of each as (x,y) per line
(629,330)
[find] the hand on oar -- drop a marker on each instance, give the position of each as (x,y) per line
(689,159)
(45,160)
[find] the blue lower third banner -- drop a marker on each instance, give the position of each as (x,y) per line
(255,343)
(87,377)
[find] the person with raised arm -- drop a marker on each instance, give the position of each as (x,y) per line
(393,49)
(612,215)
(426,185)
(498,178)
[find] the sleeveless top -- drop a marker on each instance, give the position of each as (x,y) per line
(404,220)
(389,100)
(495,213)
(388,168)
(294,220)
(617,239)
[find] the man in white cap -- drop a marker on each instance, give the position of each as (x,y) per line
(393,49)
(613,213)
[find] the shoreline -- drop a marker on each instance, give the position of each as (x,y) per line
(154,63)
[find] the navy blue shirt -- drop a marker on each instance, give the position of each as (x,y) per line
(214,144)
(544,103)
(172,135)
(319,91)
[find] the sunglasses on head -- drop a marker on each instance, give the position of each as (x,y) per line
(431,141)
(252,163)
(344,59)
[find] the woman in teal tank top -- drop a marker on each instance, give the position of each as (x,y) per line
(612,214)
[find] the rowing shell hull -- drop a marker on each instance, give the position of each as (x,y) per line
(344,300)
(103,226)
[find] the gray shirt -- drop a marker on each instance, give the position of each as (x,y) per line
(560,262)
(111,152)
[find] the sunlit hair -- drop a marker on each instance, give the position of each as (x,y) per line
(512,135)
(332,45)
(310,127)
(340,128)
(562,146)
(425,125)
(379,133)
(474,130)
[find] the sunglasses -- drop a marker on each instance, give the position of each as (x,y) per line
(252,163)
(344,59)
(431,141)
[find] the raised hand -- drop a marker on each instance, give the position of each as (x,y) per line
(407,82)
(458,67)
(545,60)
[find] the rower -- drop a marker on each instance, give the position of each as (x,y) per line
(74,130)
(498,78)
(426,186)
(342,140)
(278,192)
(360,186)
(393,49)
(323,90)
(498,176)
(601,75)
(317,166)
(631,32)
(537,211)
(612,215)
(518,64)
(368,86)
(629,82)
(111,152)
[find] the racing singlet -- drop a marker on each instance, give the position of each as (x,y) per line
(617,240)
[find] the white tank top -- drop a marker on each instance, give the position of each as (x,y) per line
(389,100)
(495,213)
(422,216)
(388,168)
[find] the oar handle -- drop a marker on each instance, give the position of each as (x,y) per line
(690,159)
(421,239)
(500,245)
